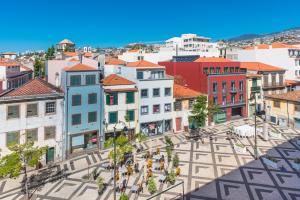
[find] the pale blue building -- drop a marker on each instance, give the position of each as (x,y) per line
(83,108)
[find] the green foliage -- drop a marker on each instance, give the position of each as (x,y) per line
(50,53)
(175,160)
(124,197)
(108,143)
(200,110)
(171,177)
(23,155)
(100,183)
(169,153)
(141,137)
(68,49)
(39,68)
(169,142)
(152,188)
(122,147)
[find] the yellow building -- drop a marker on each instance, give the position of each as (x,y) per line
(284,109)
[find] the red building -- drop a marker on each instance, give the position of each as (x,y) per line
(222,80)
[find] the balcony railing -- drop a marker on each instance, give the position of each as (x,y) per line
(273,85)
(255,89)
(234,103)
(232,90)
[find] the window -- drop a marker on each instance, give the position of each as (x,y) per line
(177,105)
(211,70)
(215,100)
(266,80)
(254,82)
(224,87)
(130,115)
(76,100)
(241,97)
(113,117)
(156,109)
(205,70)
(168,92)
(232,98)
(92,117)
(12,138)
(90,79)
(215,87)
(237,69)
(76,119)
(32,110)
(13,112)
(139,75)
(280,79)
(144,93)
(191,103)
(112,99)
(168,107)
(224,100)
(92,98)
(218,70)
(273,79)
(50,107)
(231,69)
(49,132)
(241,85)
(232,86)
(297,107)
(129,97)
(156,92)
(75,80)
(225,69)
(144,110)
(276,104)
(32,135)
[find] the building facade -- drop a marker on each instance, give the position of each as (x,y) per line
(84,108)
(121,106)
(284,109)
(33,112)
(222,80)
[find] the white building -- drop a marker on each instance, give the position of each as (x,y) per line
(33,112)
(155,95)
(276,54)
(121,105)
(187,44)
(8,55)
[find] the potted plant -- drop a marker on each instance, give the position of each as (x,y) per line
(270,161)
(171,178)
(95,174)
(296,164)
(175,160)
(124,197)
(85,178)
(101,185)
(152,186)
(169,153)
(169,142)
(239,148)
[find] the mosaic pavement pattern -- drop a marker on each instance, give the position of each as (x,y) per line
(211,170)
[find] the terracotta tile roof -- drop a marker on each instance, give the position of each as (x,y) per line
(115,61)
(133,50)
(66,41)
(73,59)
(182,92)
(80,67)
(289,96)
(24,68)
(87,54)
(8,63)
(282,45)
(70,53)
(258,66)
(114,79)
(292,82)
(143,64)
(33,87)
(274,45)
(212,59)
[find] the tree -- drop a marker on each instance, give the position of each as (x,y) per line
(22,156)
(200,110)
(50,53)
(122,147)
(39,68)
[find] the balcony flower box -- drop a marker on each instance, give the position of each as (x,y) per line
(239,148)
(296,164)
(270,161)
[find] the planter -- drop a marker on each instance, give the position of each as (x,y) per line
(296,166)
(270,163)
(239,148)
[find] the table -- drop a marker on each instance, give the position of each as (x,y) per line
(157,158)
(162,178)
(134,189)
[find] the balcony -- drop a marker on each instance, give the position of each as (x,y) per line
(255,89)
(234,103)
(232,90)
(273,85)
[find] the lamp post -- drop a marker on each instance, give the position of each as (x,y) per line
(125,129)
(253,96)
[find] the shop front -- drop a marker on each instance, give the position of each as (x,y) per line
(110,134)
(84,141)
(156,128)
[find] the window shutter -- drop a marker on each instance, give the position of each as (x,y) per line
(115,99)
(107,99)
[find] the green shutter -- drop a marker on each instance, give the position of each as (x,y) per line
(130,115)
(129,97)
(115,98)
(113,117)
(107,99)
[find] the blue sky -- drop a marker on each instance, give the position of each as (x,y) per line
(36,24)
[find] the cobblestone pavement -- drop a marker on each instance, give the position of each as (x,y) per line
(210,170)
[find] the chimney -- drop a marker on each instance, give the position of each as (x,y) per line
(57,79)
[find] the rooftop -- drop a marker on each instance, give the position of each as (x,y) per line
(258,66)
(212,59)
(114,79)
(274,45)
(182,92)
(66,41)
(71,54)
(80,67)
(8,53)
(289,96)
(8,63)
(143,64)
(115,61)
(33,87)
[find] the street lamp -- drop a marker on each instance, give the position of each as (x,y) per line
(253,96)
(125,129)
